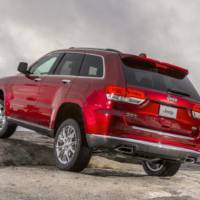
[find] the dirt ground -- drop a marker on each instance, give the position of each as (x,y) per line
(27,172)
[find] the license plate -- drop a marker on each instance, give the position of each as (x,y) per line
(167,111)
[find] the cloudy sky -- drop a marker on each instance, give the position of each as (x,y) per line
(166,30)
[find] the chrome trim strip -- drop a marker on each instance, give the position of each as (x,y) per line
(162,133)
(29,123)
(157,145)
(131,100)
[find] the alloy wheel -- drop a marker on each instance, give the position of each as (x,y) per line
(67,144)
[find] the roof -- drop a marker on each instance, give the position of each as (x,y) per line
(126,56)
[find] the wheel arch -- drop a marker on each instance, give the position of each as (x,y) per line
(68,110)
(2,96)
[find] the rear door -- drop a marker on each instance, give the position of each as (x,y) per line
(169,100)
(55,87)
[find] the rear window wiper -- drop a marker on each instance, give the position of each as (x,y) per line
(177,91)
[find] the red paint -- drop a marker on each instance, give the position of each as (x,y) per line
(39,102)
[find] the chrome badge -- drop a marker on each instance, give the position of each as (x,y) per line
(172,99)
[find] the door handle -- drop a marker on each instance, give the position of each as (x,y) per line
(66,81)
(37,79)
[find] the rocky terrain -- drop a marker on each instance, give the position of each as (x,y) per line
(27,172)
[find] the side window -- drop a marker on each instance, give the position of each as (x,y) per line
(92,66)
(70,64)
(44,65)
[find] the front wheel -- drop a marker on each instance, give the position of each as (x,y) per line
(6,129)
(70,151)
(161,167)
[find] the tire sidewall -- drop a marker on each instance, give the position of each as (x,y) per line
(169,168)
(153,173)
(75,125)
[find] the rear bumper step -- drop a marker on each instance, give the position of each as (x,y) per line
(142,148)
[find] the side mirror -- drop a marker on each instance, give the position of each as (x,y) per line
(23,67)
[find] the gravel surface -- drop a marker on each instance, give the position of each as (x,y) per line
(27,172)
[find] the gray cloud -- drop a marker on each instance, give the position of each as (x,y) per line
(167,30)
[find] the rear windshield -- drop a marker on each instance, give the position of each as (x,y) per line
(161,82)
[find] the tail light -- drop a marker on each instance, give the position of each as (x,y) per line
(126,95)
(196,111)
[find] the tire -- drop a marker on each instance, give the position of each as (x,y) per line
(70,150)
(6,129)
(162,168)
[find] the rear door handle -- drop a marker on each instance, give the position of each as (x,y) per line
(66,81)
(37,79)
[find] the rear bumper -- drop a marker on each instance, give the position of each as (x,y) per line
(141,148)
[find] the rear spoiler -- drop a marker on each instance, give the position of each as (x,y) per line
(151,64)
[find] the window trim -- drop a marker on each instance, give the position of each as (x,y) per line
(58,60)
(102,66)
(78,76)
(60,65)
(62,54)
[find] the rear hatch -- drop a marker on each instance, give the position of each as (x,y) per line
(170,97)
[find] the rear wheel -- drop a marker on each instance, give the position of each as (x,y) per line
(161,167)
(6,129)
(70,151)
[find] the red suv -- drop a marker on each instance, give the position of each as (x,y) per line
(106,100)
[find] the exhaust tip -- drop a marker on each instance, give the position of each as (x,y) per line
(190,160)
(125,149)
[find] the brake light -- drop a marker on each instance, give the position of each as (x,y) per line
(158,65)
(125,95)
(135,93)
(196,111)
(119,91)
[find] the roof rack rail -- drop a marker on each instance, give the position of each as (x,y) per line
(114,50)
(97,49)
